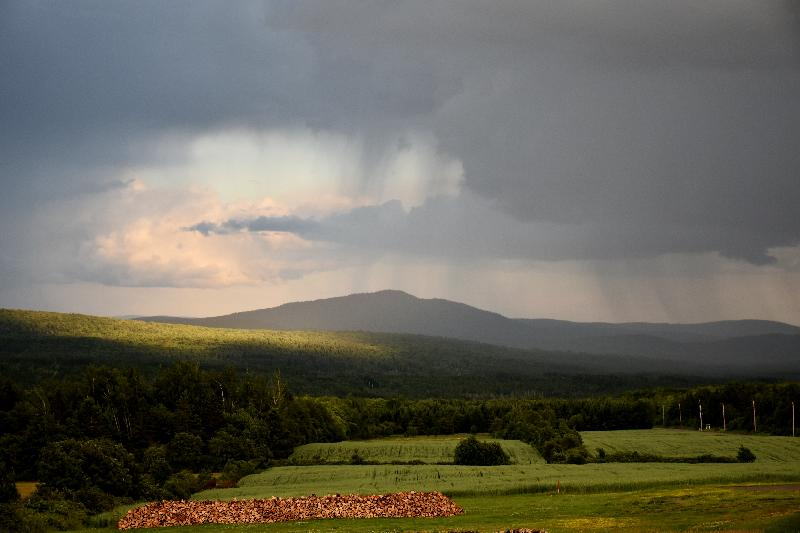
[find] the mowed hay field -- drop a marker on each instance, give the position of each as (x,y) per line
(682,443)
(429,450)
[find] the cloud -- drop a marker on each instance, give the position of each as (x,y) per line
(134,237)
(726,33)
(467,227)
(288,224)
(368,226)
(669,124)
(708,153)
(564,130)
(104,187)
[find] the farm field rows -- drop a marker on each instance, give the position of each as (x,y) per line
(677,442)
(778,460)
(468,480)
(430,450)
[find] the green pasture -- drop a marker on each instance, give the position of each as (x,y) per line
(778,459)
(473,480)
(709,508)
(430,450)
(682,443)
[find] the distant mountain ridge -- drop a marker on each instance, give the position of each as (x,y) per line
(37,345)
(717,343)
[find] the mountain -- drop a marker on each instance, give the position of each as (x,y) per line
(384,311)
(739,343)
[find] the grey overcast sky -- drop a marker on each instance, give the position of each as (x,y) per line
(608,160)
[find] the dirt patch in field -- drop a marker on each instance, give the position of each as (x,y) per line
(26,488)
(185,513)
(768,487)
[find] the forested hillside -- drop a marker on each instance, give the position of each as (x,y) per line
(39,344)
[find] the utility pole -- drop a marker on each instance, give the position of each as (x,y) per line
(663,419)
(701,414)
(724,425)
(755,428)
(680,415)
(792,419)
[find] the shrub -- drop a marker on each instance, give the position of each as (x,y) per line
(601,454)
(8,489)
(744,455)
(471,451)
(236,470)
(356,459)
(91,472)
(16,518)
(574,457)
(181,485)
(50,509)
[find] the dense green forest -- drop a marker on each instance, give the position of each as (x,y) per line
(36,345)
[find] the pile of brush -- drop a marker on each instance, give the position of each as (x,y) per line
(184,513)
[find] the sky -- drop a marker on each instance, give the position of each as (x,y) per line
(604,160)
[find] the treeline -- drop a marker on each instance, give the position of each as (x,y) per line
(551,426)
(751,407)
(195,418)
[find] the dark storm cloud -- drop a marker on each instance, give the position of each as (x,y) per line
(651,127)
(467,227)
(371,226)
(632,128)
(708,152)
(728,33)
(288,224)
(142,65)
(611,128)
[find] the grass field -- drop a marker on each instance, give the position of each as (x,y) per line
(430,450)
(778,459)
(676,443)
(594,497)
(468,480)
(695,509)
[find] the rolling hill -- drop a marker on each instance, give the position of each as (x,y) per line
(738,345)
(40,345)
